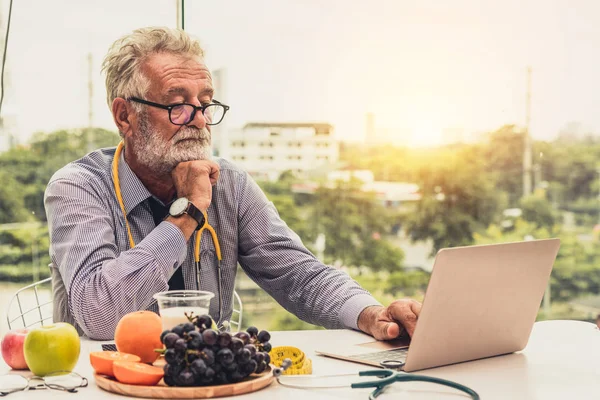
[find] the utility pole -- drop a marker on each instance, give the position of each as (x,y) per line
(527,174)
(537,176)
(527,140)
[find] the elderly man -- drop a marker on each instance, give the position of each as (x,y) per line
(123,222)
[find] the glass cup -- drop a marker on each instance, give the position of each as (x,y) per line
(174,304)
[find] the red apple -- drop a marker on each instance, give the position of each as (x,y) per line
(12,348)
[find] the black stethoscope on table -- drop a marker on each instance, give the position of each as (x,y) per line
(386,377)
(296,373)
(206,226)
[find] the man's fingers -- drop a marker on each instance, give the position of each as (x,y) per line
(405,312)
(386,330)
(392,330)
(415,306)
(214,173)
(410,323)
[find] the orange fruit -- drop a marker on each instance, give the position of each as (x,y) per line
(102,361)
(134,373)
(139,333)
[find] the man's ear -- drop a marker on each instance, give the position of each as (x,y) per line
(122,116)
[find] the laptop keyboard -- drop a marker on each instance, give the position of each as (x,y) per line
(386,355)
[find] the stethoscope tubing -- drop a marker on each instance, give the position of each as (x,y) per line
(378,388)
(118,194)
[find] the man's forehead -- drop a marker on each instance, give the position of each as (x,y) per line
(206,89)
(168,70)
(165,63)
(164,58)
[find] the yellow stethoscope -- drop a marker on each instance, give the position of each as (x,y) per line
(206,226)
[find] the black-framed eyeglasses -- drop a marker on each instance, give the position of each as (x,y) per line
(184,113)
(61,380)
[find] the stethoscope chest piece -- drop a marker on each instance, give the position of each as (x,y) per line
(392,364)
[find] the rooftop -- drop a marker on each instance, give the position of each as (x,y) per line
(319,126)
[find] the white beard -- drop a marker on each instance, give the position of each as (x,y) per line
(162,156)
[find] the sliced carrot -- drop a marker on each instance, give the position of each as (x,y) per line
(102,361)
(135,373)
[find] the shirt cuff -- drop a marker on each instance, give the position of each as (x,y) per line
(353,307)
(170,244)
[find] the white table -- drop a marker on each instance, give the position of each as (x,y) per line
(561,361)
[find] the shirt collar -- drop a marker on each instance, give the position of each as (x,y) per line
(133,190)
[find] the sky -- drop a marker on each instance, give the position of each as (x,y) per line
(419,66)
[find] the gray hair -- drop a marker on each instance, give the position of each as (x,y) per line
(123,63)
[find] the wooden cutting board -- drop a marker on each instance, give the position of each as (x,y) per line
(162,391)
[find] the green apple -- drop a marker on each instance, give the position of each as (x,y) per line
(52,348)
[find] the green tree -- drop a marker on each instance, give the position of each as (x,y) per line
(457,200)
(280,193)
(12,205)
(577,267)
(504,162)
(33,165)
(355,226)
(576,270)
(538,210)
(25,172)
(573,165)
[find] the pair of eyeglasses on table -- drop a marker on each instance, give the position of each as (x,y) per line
(386,378)
(59,380)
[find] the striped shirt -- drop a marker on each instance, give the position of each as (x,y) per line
(106,279)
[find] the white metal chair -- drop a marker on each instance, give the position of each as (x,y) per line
(28,316)
(236,322)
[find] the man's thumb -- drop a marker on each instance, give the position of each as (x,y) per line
(390,330)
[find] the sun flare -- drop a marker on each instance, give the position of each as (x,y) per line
(426,134)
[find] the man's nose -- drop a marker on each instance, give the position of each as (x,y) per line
(199,121)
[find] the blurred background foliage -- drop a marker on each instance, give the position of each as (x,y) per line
(465,190)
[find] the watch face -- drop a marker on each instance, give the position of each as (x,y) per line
(178,207)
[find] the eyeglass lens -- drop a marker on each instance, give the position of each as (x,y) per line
(65,381)
(182,114)
(62,381)
(12,383)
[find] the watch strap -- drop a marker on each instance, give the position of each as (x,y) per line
(195,213)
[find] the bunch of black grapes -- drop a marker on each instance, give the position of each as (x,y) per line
(197,355)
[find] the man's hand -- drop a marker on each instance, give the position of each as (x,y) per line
(385,323)
(194,180)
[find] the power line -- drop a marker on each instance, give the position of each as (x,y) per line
(4,56)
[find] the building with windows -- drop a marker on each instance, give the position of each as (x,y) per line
(266,149)
(398,195)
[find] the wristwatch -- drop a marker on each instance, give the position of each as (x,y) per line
(183,206)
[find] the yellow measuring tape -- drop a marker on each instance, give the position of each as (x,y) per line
(301,365)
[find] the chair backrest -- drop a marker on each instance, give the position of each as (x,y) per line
(60,307)
(61,312)
(236,315)
(30,306)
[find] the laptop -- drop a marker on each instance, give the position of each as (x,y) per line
(481,301)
